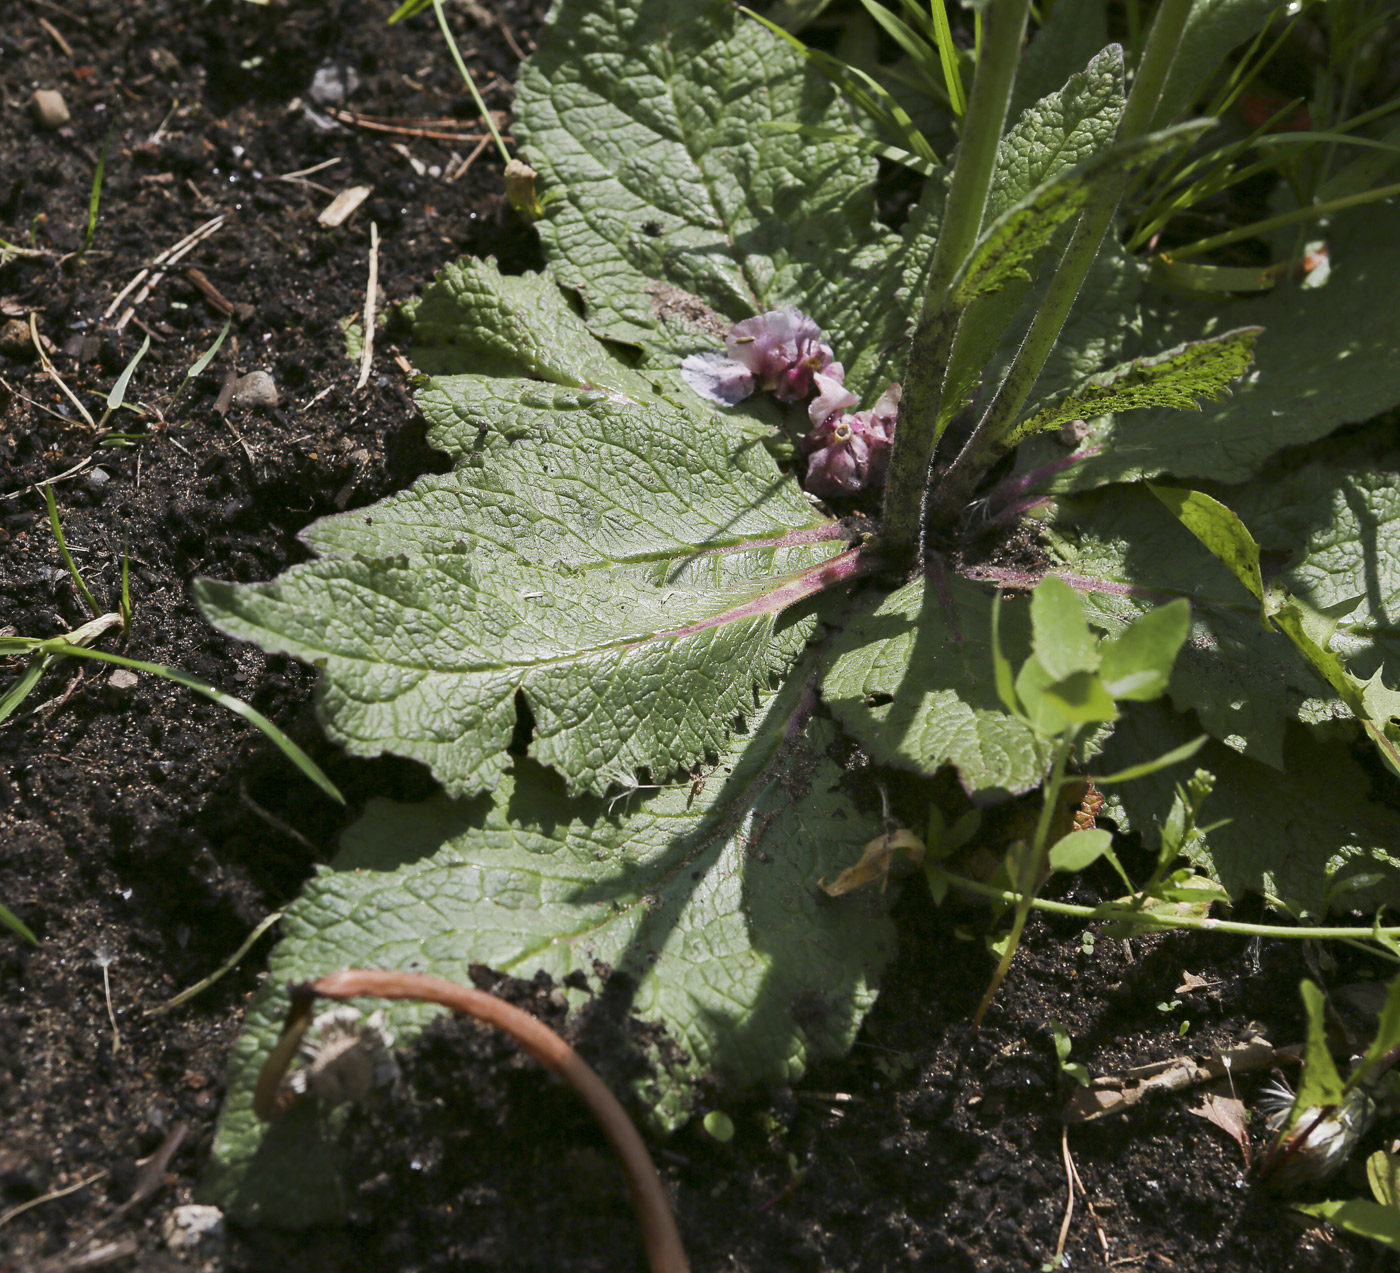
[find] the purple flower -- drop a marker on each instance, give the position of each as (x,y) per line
(719,378)
(784,350)
(832,397)
(847,453)
(781,351)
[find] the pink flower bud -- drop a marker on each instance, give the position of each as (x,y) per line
(847,453)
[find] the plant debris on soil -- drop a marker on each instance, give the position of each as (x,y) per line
(144,831)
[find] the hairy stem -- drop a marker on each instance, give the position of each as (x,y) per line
(1004,25)
(662,1239)
(989,439)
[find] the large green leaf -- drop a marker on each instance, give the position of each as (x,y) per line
(913,680)
(705,898)
(615,560)
(1064,128)
(1298,836)
(1126,553)
(1328,356)
(669,203)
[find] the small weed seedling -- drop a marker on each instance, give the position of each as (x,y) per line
(46,652)
(747,482)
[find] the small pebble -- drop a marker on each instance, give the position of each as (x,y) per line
(123,681)
(257,389)
(14,338)
(49,109)
(331,85)
(97,480)
(194,1232)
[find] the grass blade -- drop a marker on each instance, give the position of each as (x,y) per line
(204,359)
(227,966)
(125,606)
(467,78)
(12,921)
(948,55)
(1310,213)
(118,393)
(23,687)
(66,555)
(95,198)
(59,645)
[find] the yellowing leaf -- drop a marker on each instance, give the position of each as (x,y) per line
(875,862)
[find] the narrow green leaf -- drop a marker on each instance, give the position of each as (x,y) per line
(95,197)
(118,392)
(1011,240)
(13,922)
(236,705)
(1080,849)
(206,357)
(1176,379)
(62,544)
(1165,761)
(948,58)
(24,686)
(1214,28)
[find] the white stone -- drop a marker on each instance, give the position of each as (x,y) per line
(49,109)
(194,1232)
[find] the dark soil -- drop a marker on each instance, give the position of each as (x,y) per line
(144,831)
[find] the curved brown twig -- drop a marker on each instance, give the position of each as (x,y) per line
(662,1239)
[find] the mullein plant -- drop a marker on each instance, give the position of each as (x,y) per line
(734,485)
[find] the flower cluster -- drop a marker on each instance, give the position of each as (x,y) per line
(783,352)
(780,351)
(845,452)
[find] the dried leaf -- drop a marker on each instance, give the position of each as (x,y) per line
(875,862)
(1229,1114)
